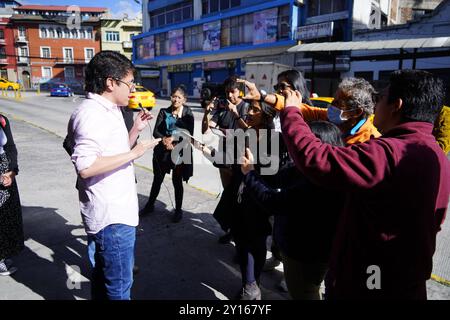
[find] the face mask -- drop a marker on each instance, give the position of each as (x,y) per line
(335,115)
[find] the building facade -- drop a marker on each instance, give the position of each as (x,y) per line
(7,51)
(195,41)
(54,43)
(383,62)
(116,34)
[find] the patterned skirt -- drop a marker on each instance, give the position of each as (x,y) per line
(11,227)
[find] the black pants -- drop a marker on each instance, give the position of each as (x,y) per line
(252,256)
(177,180)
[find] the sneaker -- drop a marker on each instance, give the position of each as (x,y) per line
(149,208)
(271,264)
(6,271)
(251,291)
(177,216)
(226,238)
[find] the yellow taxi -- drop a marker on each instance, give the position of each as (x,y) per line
(321,102)
(143,96)
(8,85)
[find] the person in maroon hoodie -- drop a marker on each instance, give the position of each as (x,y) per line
(397,188)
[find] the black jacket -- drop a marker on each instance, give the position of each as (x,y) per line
(306,215)
(163,156)
(10,146)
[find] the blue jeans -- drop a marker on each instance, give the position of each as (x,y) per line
(111,253)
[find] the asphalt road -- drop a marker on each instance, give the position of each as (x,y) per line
(181,261)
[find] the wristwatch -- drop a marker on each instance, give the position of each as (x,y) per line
(263,94)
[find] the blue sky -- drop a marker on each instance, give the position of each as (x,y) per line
(117,8)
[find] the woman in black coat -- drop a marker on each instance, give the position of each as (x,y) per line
(11,228)
(168,125)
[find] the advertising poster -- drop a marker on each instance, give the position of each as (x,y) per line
(211,32)
(176,42)
(265,26)
(146,48)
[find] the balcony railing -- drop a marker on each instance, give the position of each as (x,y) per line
(21,39)
(3,61)
(2,41)
(127,44)
(23,60)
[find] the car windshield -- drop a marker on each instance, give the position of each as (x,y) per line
(141,89)
(60,86)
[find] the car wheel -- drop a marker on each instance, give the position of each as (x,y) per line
(10,88)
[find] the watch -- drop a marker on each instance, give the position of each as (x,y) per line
(263,94)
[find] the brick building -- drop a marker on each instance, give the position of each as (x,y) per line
(7,51)
(54,44)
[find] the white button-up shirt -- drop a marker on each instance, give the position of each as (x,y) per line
(97,128)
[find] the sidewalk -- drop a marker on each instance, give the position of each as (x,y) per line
(177,261)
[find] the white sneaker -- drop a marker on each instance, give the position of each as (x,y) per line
(6,270)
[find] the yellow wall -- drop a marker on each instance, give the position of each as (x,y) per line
(125,29)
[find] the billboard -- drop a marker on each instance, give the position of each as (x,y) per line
(145,48)
(265,26)
(211,33)
(176,41)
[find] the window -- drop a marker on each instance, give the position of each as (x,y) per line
(23,52)
(321,7)
(83,34)
(69,72)
(59,33)
(88,54)
(212,6)
(22,31)
(45,52)
(44,33)
(171,14)
(51,32)
(46,72)
(112,36)
(90,34)
(2,53)
(74,33)
(193,38)
(2,34)
(66,33)
(68,55)
(162,44)
(284,25)
(225,33)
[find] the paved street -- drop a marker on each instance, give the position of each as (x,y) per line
(177,261)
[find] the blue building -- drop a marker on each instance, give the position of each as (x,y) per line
(194,41)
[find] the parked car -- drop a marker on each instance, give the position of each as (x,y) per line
(143,96)
(61,90)
(8,85)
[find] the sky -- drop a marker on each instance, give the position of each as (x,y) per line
(116,8)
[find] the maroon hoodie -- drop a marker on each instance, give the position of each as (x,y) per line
(398,190)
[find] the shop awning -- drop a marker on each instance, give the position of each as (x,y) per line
(420,43)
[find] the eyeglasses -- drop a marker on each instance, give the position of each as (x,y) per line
(131,85)
(281,86)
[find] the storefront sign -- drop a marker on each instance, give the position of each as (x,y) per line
(180,68)
(150,73)
(315,31)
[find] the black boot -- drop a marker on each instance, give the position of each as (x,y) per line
(177,216)
(149,208)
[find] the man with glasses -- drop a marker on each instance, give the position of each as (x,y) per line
(103,155)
